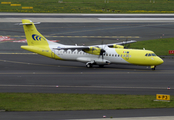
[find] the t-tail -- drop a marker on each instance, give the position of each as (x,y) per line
(37,43)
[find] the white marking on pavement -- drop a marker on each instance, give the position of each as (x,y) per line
(135,118)
(165,19)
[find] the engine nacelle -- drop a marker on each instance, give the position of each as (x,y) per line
(116,46)
(93,50)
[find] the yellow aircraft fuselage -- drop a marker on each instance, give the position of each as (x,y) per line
(37,43)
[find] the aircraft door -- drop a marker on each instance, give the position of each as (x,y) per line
(53,53)
(127,56)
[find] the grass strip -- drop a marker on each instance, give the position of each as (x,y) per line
(61,102)
(159,46)
(90,6)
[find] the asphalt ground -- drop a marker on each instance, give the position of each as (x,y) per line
(135,114)
(87,33)
(34,73)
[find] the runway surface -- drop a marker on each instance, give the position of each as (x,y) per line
(22,71)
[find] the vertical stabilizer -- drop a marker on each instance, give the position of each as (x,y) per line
(33,37)
(37,43)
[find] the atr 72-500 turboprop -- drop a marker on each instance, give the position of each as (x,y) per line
(101,55)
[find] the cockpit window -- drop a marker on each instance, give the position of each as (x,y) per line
(150,54)
(153,54)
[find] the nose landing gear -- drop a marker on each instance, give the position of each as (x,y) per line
(153,67)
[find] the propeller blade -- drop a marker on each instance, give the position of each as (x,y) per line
(102,51)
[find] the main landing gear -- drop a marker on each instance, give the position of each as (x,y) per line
(90,65)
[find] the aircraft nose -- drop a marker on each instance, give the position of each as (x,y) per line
(159,61)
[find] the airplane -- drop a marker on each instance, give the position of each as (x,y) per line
(101,55)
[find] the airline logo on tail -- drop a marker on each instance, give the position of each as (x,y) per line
(37,37)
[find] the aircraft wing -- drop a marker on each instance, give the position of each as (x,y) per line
(84,48)
(122,43)
(88,49)
(73,48)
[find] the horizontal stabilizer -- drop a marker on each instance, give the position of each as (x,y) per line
(27,22)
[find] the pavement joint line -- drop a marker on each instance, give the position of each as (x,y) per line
(137,19)
(134,118)
(63,86)
(77,14)
(77,73)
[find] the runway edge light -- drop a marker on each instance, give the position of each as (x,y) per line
(162,97)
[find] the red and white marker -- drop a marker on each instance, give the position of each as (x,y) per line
(168,88)
(5,38)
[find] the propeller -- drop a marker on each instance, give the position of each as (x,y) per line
(102,51)
(127,45)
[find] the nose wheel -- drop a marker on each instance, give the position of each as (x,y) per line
(153,67)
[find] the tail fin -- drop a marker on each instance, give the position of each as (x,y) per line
(37,43)
(33,37)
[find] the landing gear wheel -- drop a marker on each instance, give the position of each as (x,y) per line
(89,65)
(154,68)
